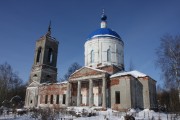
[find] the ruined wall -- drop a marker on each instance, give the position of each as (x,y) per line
(152,93)
(31,99)
(149,92)
(146,97)
(111,69)
(136,93)
(56,90)
(44,67)
(121,84)
(97,93)
(73,101)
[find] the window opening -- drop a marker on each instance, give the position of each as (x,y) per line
(35,75)
(38,55)
(117,56)
(57,99)
(108,55)
(50,55)
(117,94)
(48,78)
(64,98)
(51,99)
(92,56)
(46,99)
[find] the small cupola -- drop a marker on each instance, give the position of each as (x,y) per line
(103,20)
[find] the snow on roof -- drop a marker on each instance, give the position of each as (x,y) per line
(105,35)
(134,73)
(64,82)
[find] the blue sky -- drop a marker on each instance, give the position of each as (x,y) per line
(140,24)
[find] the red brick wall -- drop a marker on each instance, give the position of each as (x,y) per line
(110,69)
(51,89)
(114,81)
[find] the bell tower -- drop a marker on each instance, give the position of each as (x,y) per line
(45,59)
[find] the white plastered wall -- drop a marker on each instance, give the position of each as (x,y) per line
(31,97)
(100,45)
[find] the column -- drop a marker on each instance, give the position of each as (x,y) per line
(79,94)
(54,99)
(104,92)
(39,98)
(90,92)
(67,95)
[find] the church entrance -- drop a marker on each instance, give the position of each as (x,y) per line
(83,97)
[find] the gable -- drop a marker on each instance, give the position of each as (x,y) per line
(86,71)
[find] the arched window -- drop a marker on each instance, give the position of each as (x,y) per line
(108,55)
(117,55)
(50,55)
(35,75)
(92,56)
(38,55)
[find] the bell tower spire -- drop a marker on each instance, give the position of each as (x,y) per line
(49,29)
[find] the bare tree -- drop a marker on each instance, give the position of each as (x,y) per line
(168,59)
(75,66)
(10,83)
(168,100)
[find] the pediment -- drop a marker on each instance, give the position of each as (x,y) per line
(34,84)
(86,71)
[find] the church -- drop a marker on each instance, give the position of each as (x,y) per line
(101,82)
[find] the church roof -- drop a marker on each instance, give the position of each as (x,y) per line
(104,32)
(133,73)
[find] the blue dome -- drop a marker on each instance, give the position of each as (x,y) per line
(104,32)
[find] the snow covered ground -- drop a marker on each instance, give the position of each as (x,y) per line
(146,114)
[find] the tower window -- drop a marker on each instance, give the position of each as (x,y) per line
(92,56)
(48,78)
(35,75)
(46,99)
(117,95)
(50,55)
(108,55)
(51,99)
(38,55)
